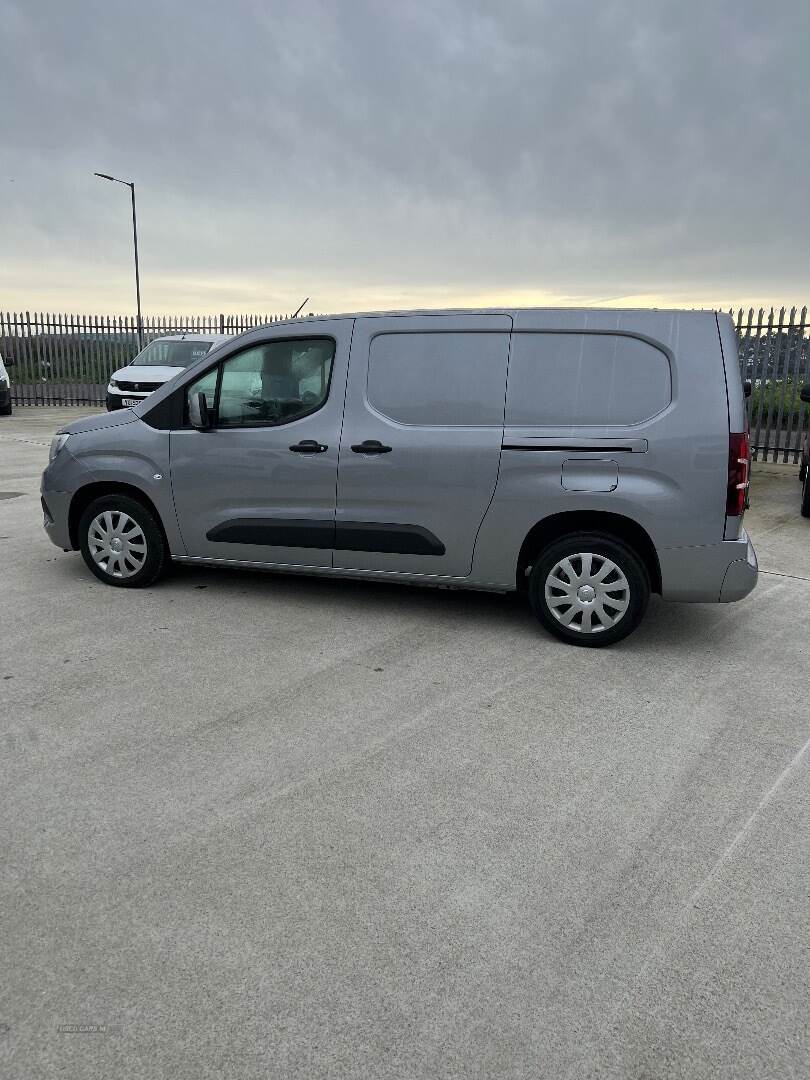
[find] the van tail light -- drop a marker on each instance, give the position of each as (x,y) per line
(739,459)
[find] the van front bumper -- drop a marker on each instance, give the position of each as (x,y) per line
(709,574)
(55,513)
(116,400)
(60,481)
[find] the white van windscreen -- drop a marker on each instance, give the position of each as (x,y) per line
(162,353)
(562,380)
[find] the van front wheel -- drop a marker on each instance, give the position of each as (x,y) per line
(589,589)
(121,542)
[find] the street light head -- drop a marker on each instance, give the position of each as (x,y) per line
(106,176)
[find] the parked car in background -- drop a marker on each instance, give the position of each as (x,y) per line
(160,361)
(5,390)
(584,457)
(804,466)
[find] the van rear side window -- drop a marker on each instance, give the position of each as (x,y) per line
(439,379)
(561,380)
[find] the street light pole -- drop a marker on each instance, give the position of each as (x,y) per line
(131,185)
(137,274)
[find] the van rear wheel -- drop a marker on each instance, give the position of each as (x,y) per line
(589,589)
(121,542)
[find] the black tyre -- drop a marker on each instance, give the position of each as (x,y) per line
(805,507)
(802,470)
(5,410)
(122,543)
(589,589)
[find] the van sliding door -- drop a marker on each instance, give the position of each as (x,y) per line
(421,441)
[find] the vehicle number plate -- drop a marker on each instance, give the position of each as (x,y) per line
(128,402)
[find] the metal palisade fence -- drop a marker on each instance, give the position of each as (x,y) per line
(68,359)
(775,359)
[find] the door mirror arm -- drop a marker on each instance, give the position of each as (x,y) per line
(198,414)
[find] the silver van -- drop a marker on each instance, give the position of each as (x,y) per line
(585,457)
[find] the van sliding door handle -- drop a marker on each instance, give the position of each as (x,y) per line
(308,446)
(371,446)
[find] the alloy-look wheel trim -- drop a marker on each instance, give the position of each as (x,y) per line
(587,593)
(117,544)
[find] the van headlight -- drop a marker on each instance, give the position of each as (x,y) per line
(56,445)
(113,385)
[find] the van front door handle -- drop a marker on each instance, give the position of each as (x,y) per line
(308,446)
(371,446)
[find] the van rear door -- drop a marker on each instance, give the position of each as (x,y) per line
(421,441)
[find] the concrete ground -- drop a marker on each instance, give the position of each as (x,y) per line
(262,826)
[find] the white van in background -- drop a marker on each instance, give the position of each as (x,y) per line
(5,390)
(160,361)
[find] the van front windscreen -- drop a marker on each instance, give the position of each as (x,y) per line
(177,354)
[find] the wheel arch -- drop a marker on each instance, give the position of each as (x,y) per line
(90,492)
(555,526)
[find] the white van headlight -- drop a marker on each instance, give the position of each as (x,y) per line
(56,445)
(113,385)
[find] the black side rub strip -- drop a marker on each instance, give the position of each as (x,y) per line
(570,448)
(393,539)
(279,532)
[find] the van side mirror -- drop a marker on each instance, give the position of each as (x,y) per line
(747,389)
(10,362)
(198,414)
(804,393)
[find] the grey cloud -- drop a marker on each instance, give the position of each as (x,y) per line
(585,148)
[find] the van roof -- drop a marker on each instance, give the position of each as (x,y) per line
(505,310)
(193,337)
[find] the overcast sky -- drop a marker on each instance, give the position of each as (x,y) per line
(404,153)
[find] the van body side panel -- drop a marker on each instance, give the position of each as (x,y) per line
(675,489)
